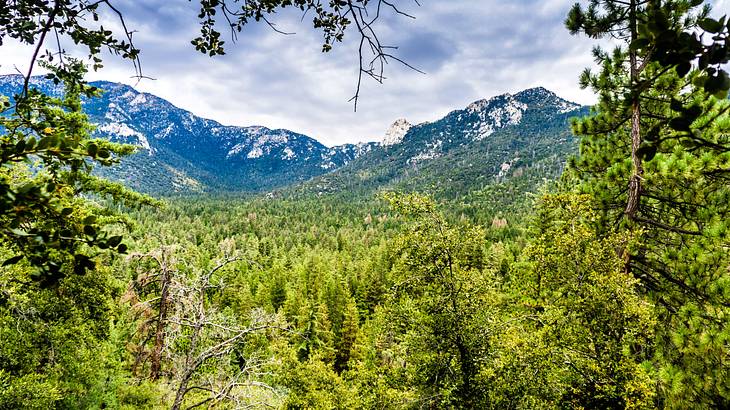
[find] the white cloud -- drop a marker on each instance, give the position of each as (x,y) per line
(470,50)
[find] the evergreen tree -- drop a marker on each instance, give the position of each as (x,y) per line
(655,155)
(348,338)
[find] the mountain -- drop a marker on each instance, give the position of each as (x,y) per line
(522,138)
(397,131)
(180,152)
(518,140)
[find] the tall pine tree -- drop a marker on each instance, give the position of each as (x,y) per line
(655,154)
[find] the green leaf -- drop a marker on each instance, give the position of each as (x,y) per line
(19,232)
(89,230)
(82,263)
(680,124)
(639,44)
(44,143)
(699,81)
(92,149)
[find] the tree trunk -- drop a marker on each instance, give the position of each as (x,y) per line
(181,391)
(637,172)
(634,194)
(191,365)
(156,358)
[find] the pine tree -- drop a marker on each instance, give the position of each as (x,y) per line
(655,155)
(348,336)
(634,91)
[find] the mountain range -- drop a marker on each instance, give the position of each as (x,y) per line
(523,138)
(181,152)
(491,140)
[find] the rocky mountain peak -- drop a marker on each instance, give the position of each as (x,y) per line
(395,133)
(536,92)
(539,96)
(495,113)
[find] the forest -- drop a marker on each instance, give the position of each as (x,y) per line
(604,287)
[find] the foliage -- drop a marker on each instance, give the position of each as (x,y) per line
(580,333)
(443,304)
(54,352)
(191,336)
(56,294)
(655,155)
(462,158)
(46,161)
(615,297)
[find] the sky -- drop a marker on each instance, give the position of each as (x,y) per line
(468,50)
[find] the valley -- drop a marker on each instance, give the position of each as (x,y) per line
(522,251)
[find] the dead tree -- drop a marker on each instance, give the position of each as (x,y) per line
(154,274)
(195,339)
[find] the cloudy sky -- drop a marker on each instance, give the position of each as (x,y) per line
(469,49)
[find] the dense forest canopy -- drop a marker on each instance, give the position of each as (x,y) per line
(607,287)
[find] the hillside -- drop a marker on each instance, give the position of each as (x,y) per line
(523,138)
(180,152)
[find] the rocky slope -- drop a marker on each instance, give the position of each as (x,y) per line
(181,152)
(521,137)
(525,135)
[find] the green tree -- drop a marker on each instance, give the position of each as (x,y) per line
(49,231)
(38,129)
(46,162)
(655,155)
(348,337)
(56,291)
(579,333)
(443,304)
(54,352)
(628,84)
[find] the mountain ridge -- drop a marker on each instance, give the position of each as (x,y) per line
(183,153)
(523,135)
